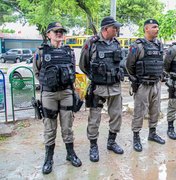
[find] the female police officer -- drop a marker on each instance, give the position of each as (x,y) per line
(54,67)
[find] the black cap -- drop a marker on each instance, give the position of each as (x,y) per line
(151,21)
(55,26)
(108,21)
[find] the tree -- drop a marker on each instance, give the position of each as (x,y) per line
(76,12)
(167,23)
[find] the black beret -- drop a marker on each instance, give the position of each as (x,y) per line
(108,21)
(151,21)
(55,26)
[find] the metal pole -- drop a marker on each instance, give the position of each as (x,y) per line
(113,8)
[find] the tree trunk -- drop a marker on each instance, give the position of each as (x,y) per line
(82,5)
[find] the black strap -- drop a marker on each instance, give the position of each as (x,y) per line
(66,108)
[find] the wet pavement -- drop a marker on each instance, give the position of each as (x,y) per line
(22,154)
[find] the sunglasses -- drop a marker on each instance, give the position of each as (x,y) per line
(58,31)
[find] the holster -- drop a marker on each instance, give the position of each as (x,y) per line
(38,108)
(77,102)
(171,89)
(92,100)
(172,92)
(89,96)
(135,86)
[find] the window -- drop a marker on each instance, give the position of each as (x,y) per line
(26,51)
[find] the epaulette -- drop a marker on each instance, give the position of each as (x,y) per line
(40,47)
(94,39)
(117,40)
(140,40)
(66,45)
(43,45)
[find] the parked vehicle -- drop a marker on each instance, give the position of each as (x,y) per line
(16,55)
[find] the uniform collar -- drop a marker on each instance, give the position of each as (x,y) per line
(154,41)
(104,40)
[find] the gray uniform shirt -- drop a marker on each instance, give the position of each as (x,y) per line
(89,52)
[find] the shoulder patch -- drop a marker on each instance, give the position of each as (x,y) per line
(86,46)
(133,49)
(36,56)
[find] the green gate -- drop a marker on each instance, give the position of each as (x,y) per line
(22,90)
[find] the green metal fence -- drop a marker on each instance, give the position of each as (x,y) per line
(22,89)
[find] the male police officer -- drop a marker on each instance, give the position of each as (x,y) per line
(170,67)
(99,60)
(54,66)
(145,66)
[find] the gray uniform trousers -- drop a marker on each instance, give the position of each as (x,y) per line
(114,104)
(171,110)
(146,100)
(50,101)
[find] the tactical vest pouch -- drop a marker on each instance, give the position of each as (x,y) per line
(51,76)
(117,56)
(66,75)
(99,74)
(173,66)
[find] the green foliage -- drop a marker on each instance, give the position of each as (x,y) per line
(167,25)
(3,138)
(80,13)
(10,31)
(9,11)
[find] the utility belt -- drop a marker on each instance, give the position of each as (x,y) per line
(135,83)
(55,89)
(149,82)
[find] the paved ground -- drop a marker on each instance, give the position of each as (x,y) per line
(22,154)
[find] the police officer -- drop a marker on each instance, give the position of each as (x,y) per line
(170,67)
(54,67)
(145,68)
(99,60)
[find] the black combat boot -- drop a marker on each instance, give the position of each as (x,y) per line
(137,142)
(94,153)
(47,167)
(154,137)
(71,155)
(170,132)
(112,145)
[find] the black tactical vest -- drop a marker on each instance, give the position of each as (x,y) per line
(151,65)
(58,67)
(105,67)
(173,63)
